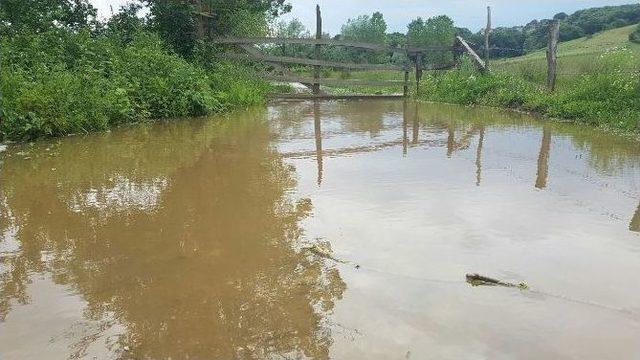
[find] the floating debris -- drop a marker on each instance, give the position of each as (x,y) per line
(479,280)
(323,251)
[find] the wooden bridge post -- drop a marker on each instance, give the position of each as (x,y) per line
(418,72)
(552,55)
(316,68)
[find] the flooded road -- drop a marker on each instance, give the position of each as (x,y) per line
(335,230)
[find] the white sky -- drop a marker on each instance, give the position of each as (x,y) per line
(398,13)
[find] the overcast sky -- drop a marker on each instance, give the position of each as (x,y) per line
(398,13)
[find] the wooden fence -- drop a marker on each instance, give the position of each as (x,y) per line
(418,54)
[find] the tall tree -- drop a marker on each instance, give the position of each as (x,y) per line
(36,16)
(434,32)
(176,22)
(291,29)
(371,29)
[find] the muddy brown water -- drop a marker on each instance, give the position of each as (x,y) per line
(190,239)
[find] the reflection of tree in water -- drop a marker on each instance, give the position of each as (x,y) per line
(212,271)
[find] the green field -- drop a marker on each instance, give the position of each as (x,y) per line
(575,58)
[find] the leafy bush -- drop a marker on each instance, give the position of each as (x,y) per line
(60,82)
(635,36)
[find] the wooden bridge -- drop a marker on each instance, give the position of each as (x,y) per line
(415,60)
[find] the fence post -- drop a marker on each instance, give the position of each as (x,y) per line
(487,31)
(552,55)
(418,72)
(200,22)
(316,69)
(405,90)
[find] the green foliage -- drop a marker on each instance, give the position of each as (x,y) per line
(507,42)
(436,31)
(291,29)
(365,28)
(125,24)
(174,20)
(517,40)
(597,19)
(635,36)
(79,83)
(37,16)
(607,96)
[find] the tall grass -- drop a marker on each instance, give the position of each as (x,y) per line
(61,82)
(609,95)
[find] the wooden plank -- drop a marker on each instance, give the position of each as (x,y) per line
(552,55)
(255,52)
(329,42)
(479,62)
(203,14)
(312,62)
(326,81)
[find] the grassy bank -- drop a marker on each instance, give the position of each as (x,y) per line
(61,82)
(609,96)
(575,58)
(598,84)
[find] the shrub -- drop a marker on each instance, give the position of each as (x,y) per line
(60,82)
(635,36)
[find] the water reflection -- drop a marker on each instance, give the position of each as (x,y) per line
(416,126)
(204,263)
(185,239)
(635,221)
(479,156)
(543,158)
(317,127)
(405,129)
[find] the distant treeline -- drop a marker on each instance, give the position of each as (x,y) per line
(440,30)
(519,40)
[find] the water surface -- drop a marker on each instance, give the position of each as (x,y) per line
(199,238)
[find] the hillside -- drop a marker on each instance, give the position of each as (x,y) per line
(574,57)
(595,44)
